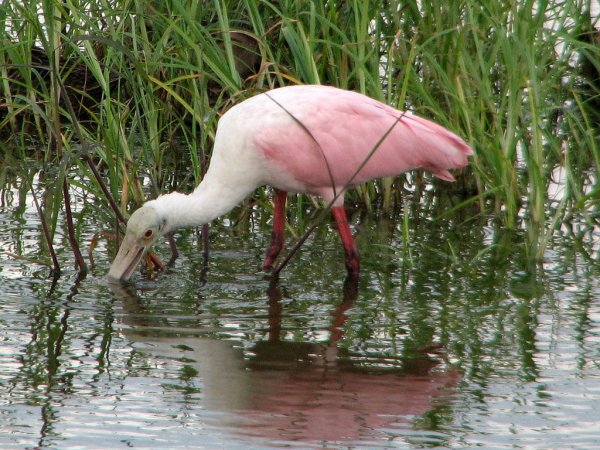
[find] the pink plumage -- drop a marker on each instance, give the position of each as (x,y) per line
(313,139)
(339,131)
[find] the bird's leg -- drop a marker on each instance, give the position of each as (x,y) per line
(352,264)
(278,235)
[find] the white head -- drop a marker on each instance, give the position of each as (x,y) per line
(216,195)
(144,227)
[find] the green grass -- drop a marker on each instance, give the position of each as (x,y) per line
(148,82)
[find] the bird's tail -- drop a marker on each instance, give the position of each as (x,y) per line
(445,149)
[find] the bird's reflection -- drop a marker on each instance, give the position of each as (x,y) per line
(277,353)
(282,389)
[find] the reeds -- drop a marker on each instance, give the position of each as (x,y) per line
(147,82)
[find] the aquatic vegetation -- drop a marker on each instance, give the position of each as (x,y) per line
(475,320)
(124,96)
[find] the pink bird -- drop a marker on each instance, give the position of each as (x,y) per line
(314,139)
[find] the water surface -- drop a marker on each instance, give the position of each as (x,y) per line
(452,339)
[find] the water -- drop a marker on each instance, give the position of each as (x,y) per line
(452,340)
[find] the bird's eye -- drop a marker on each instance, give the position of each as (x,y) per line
(148,233)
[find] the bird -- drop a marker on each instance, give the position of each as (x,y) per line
(313,139)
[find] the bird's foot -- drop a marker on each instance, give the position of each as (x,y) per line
(273,252)
(353,265)
(268,264)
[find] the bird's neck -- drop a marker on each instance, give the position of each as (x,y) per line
(208,201)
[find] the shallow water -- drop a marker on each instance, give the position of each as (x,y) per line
(452,339)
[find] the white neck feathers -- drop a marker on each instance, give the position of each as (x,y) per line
(208,201)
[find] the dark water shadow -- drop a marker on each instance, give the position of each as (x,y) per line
(283,390)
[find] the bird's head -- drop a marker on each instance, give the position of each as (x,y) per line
(143,229)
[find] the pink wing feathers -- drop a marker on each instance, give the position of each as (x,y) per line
(344,128)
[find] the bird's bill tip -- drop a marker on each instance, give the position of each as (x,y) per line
(128,257)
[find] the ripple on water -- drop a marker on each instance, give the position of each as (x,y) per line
(241,363)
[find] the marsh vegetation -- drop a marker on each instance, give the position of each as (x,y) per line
(127,94)
(475,322)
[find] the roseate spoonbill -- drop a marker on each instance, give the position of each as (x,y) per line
(313,139)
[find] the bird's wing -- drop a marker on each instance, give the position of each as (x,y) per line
(324,140)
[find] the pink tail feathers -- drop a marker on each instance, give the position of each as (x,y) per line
(443,174)
(445,149)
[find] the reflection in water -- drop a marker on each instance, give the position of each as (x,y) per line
(237,366)
(297,391)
